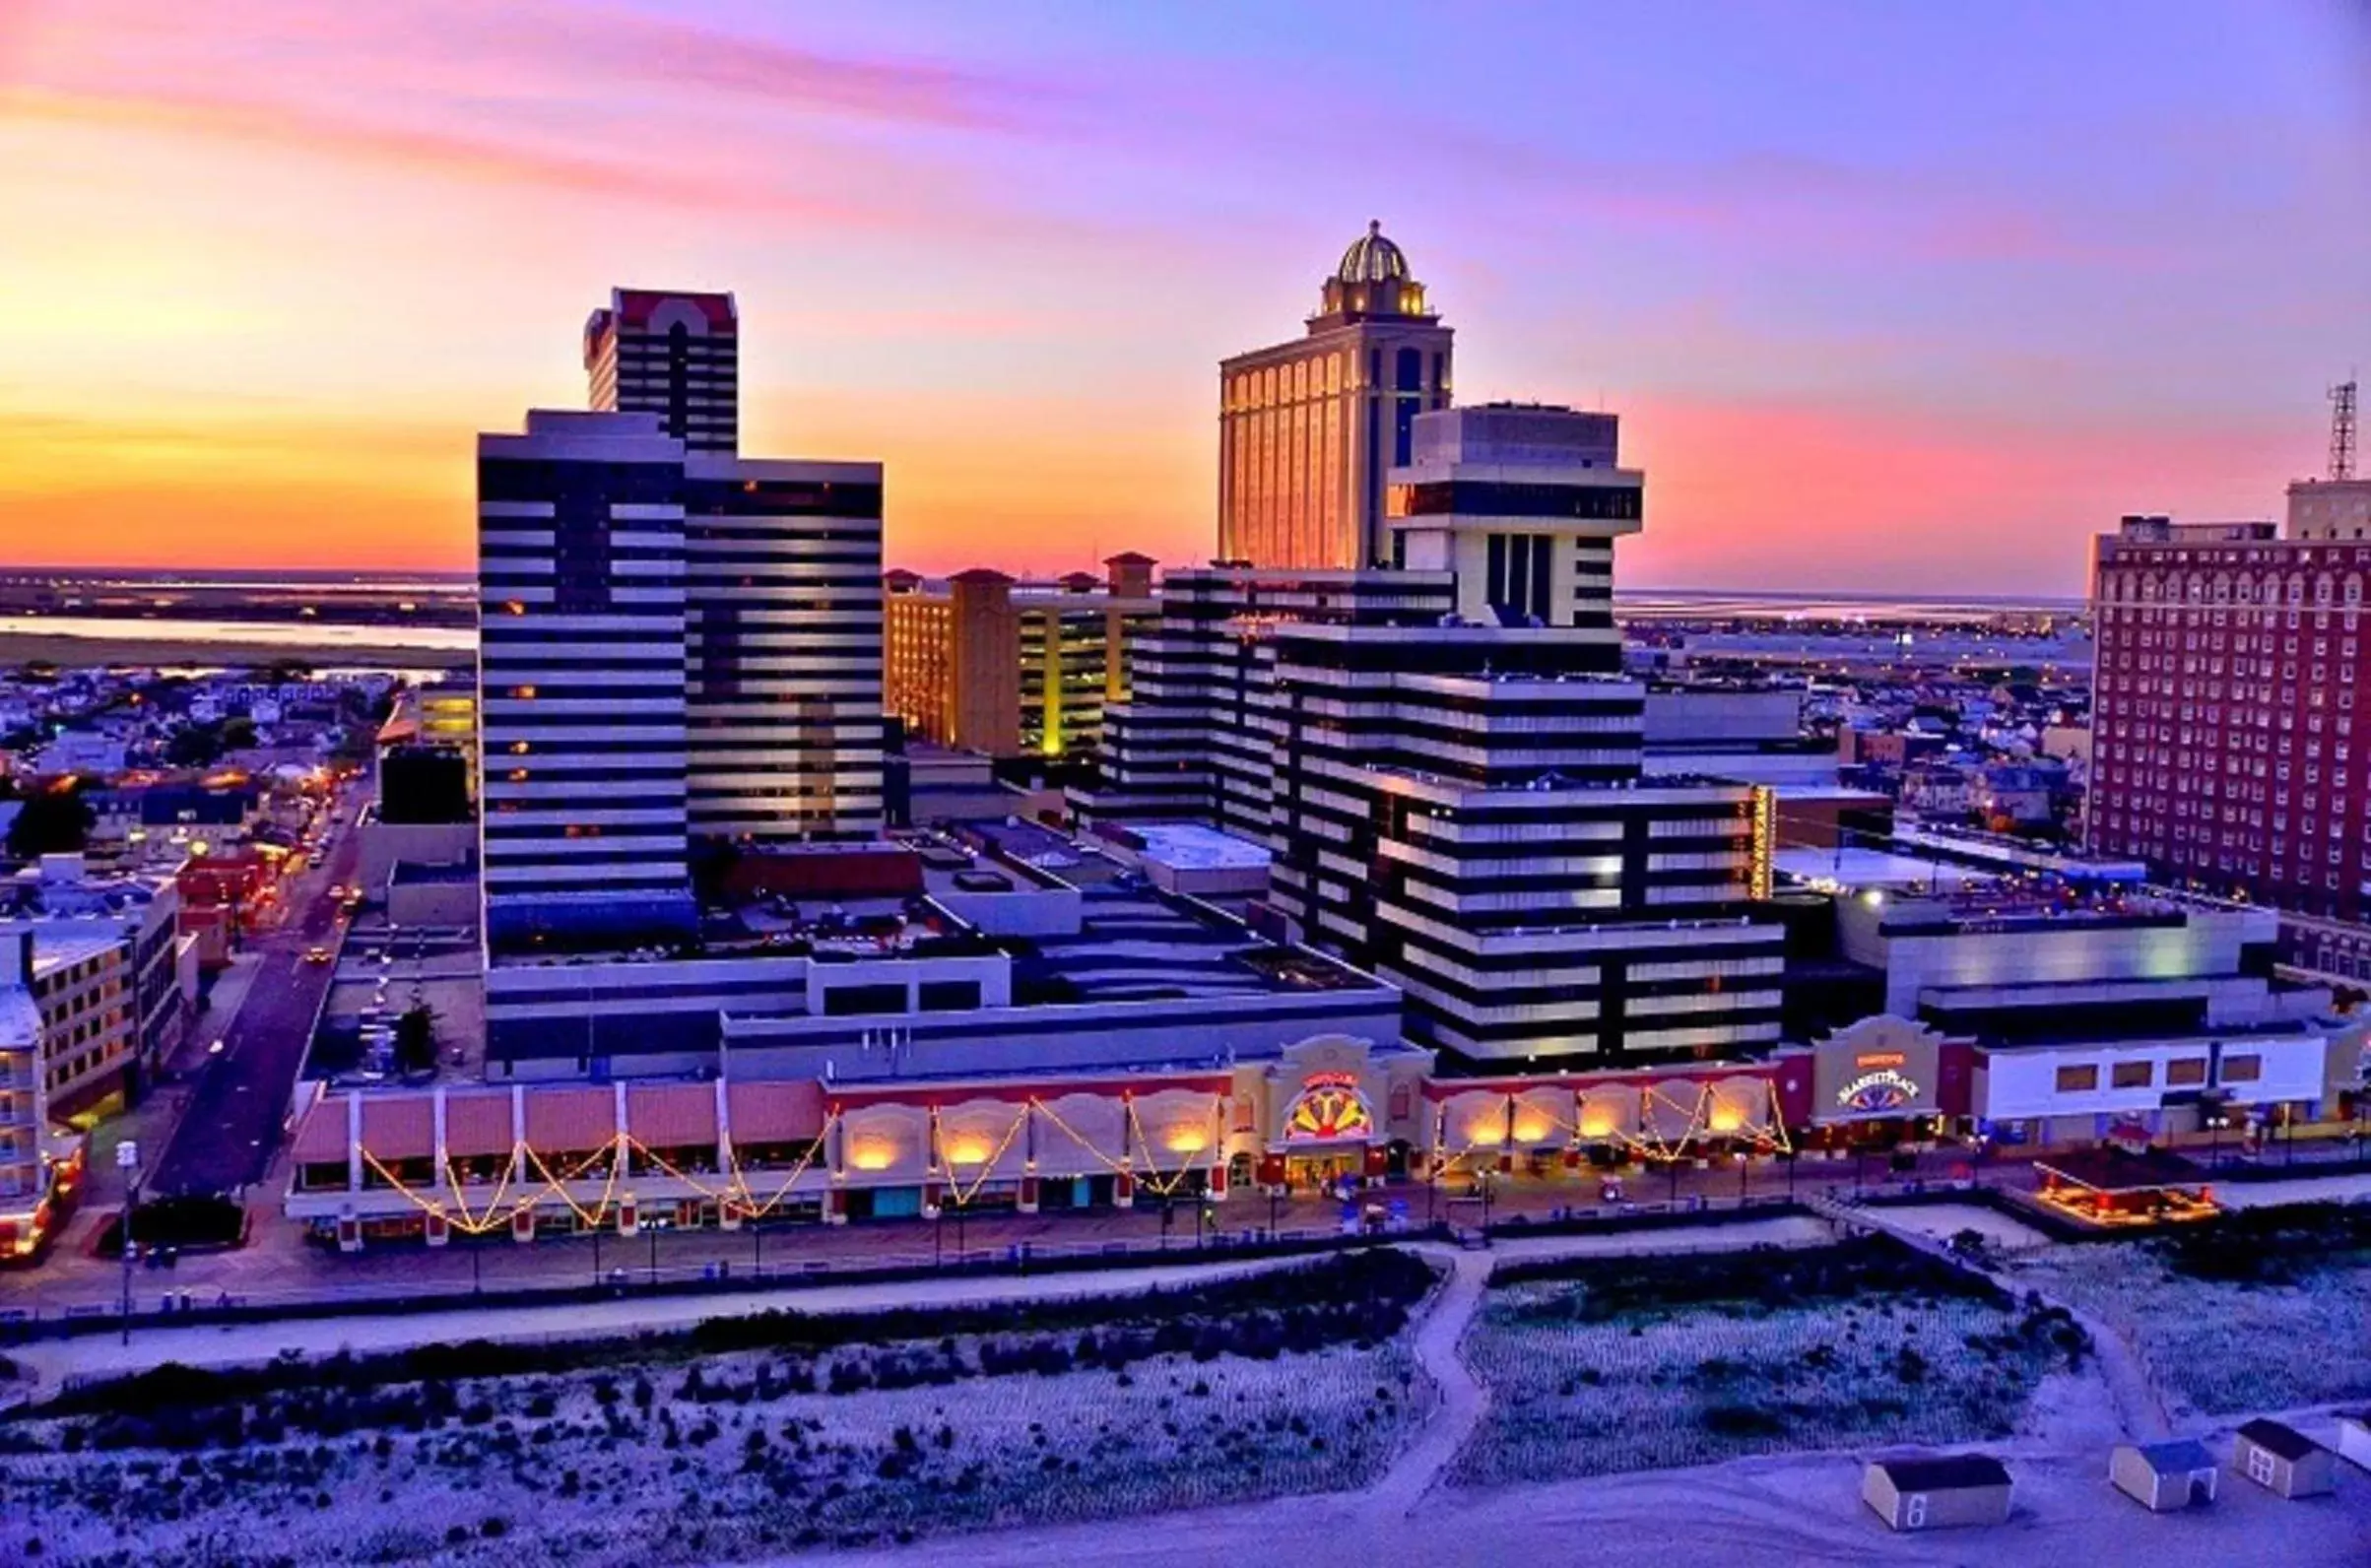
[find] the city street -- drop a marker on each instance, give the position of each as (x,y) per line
(231,1122)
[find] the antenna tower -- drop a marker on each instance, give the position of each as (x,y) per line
(2341,430)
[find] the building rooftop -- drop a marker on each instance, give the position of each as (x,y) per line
(58,952)
(2177,1458)
(2279,1437)
(1945,1472)
(1839,870)
(20,1016)
(1138,944)
(1196,847)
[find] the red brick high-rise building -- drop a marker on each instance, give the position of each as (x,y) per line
(2225,746)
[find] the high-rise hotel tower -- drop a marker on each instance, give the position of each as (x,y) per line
(1308,430)
(677,642)
(1445,762)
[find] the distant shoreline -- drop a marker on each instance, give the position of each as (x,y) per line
(71,652)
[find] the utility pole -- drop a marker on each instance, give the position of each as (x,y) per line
(127,1160)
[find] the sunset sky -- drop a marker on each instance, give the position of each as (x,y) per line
(1904,296)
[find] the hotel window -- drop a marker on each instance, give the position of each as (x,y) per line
(2078,1079)
(2243,1068)
(2133,1075)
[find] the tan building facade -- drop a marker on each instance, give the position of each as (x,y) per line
(1308,430)
(82,987)
(990,664)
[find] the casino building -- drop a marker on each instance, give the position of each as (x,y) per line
(1446,763)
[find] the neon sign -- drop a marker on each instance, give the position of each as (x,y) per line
(1328,1110)
(1877,1093)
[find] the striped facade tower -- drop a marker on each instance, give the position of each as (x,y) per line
(677,355)
(783,586)
(784,621)
(1445,761)
(581,672)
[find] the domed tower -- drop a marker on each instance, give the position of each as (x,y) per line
(1372,281)
(1308,429)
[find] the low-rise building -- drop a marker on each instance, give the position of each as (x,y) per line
(226,896)
(24,1180)
(2164,1476)
(62,899)
(1938,1493)
(89,1045)
(2283,1460)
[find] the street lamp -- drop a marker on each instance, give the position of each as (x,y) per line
(1742,1164)
(127,1160)
(2215,1139)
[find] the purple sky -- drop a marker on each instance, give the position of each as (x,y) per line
(1907,297)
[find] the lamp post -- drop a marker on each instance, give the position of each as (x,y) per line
(2215,1139)
(1743,1165)
(127,1160)
(1168,1211)
(654,1254)
(596,1254)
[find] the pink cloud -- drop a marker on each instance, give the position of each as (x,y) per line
(583,102)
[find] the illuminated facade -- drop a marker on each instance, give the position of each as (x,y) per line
(24,1098)
(1006,667)
(1308,430)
